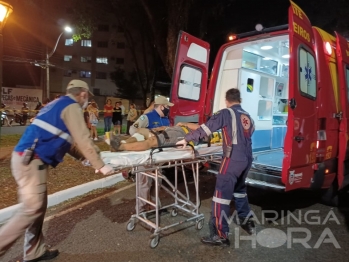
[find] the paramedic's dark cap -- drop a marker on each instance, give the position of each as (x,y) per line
(79,83)
(161,100)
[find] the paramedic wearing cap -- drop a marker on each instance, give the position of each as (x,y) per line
(237,128)
(157,119)
(56,130)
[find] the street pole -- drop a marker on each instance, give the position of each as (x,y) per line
(5,11)
(48,55)
(47,76)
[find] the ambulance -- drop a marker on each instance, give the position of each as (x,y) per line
(294,83)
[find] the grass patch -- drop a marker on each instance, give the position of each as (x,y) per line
(100,131)
(9,140)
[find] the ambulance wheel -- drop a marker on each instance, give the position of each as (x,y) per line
(330,197)
(130,225)
(174,212)
(154,241)
(199,224)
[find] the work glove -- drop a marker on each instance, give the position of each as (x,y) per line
(182,142)
(106,170)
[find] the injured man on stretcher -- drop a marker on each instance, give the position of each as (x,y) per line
(146,139)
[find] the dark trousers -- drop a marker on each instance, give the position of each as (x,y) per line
(230,184)
(129,124)
(107,124)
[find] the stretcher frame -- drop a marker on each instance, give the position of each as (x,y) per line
(181,202)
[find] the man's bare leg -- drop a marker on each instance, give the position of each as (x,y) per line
(142,131)
(139,146)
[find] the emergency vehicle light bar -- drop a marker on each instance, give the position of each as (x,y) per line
(263,31)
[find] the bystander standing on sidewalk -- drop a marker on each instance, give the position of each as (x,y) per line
(93,118)
(117,118)
(131,117)
(108,114)
(122,114)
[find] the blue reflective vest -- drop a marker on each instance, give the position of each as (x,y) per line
(155,120)
(54,139)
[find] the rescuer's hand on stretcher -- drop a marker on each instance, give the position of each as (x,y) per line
(106,170)
(182,142)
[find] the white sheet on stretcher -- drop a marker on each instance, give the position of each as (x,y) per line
(128,159)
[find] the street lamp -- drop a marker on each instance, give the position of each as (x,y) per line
(48,55)
(5,11)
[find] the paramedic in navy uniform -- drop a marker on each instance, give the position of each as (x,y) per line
(155,120)
(237,128)
(58,127)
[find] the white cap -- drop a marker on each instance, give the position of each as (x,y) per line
(78,83)
(161,100)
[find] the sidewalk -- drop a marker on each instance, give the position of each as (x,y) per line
(67,194)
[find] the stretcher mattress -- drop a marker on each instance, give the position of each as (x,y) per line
(125,159)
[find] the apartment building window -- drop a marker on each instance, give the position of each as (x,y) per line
(68,58)
(120,61)
(120,45)
(103,44)
(102,60)
(96,91)
(69,42)
(67,73)
(85,74)
(101,75)
(103,28)
(87,43)
(86,59)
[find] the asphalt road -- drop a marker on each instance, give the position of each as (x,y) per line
(97,231)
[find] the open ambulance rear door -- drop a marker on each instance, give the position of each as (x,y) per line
(342,51)
(300,140)
(189,79)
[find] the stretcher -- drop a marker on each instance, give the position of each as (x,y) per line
(150,163)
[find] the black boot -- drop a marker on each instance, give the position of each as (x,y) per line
(248,225)
(213,239)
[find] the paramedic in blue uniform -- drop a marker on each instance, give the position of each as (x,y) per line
(155,120)
(59,128)
(237,127)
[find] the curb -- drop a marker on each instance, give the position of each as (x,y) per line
(66,194)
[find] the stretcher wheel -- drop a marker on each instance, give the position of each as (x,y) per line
(199,224)
(154,241)
(130,225)
(174,212)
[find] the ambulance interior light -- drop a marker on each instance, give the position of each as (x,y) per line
(266,47)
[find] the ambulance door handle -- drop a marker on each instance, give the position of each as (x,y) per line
(299,138)
(293,103)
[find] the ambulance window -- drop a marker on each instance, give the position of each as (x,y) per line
(307,71)
(190,83)
(347,77)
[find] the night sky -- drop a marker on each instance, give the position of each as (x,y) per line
(23,39)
